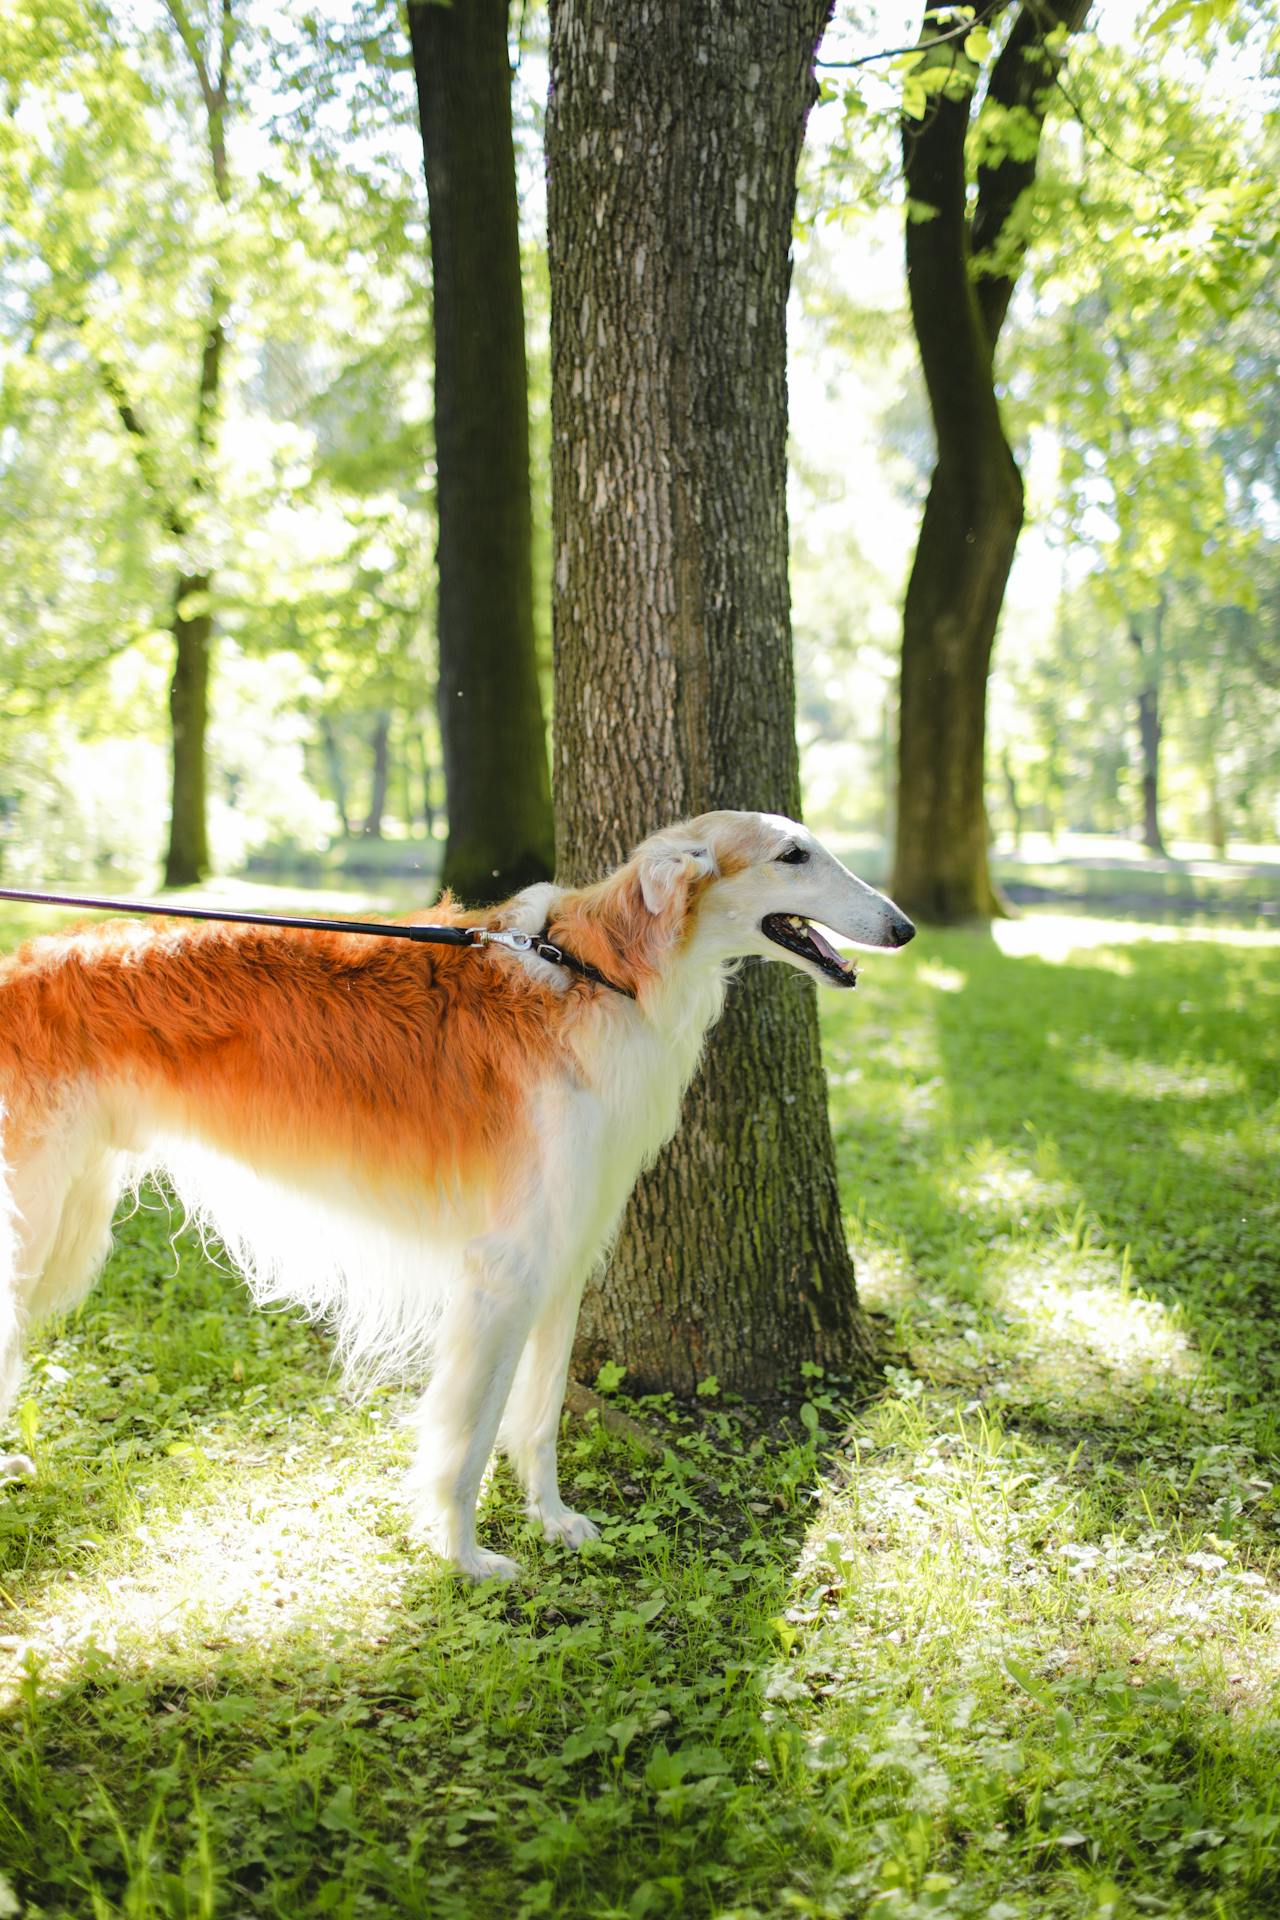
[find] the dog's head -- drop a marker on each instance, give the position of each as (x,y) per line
(753,883)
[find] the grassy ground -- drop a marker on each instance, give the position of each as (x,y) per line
(1004,1642)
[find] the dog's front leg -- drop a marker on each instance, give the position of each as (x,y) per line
(531,1423)
(477,1345)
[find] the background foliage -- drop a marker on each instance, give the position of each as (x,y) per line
(1139,375)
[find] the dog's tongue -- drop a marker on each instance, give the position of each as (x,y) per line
(827,951)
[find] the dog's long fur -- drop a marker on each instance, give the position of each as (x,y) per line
(430,1147)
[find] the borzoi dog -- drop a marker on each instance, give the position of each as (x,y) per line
(430,1147)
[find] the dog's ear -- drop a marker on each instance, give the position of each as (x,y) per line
(669,869)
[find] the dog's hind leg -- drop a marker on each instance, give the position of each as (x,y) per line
(531,1424)
(82,1236)
(55,1232)
(13,1466)
(477,1343)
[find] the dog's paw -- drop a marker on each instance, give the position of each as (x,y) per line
(573,1528)
(16,1466)
(483,1565)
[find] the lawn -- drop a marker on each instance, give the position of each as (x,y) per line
(1003,1641)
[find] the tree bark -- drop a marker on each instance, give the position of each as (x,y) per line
(961,274)
(493,736)
(673,133)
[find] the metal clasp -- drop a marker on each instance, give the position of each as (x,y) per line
(513,941)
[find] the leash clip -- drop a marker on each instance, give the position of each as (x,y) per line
(513,941)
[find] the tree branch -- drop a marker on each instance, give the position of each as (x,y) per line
(960,31)
(191,41)
(143,452)
(955,353)
(1020,87)
(214,96)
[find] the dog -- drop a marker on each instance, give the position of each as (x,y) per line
(428,1147)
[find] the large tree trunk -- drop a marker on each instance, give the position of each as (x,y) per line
(961,274)
(501,834)
(673,134)
(962,563)
(187,856)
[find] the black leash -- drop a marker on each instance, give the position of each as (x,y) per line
(536,943)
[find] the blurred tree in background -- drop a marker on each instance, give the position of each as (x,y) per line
(300,501)
(966,237)
(501,833)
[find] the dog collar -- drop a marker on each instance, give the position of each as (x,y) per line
(546,949)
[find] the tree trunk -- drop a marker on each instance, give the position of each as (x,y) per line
(1150,732)
(673,133)
(381,774)
(501,834)
(187,856)
(424,769)
(961,274)
(962,562)
(333,767)
(1013,797)
(1217,819)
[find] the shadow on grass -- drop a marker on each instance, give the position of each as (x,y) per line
(977,1675)
(737,1717)
(553,1746)
(1122,1107)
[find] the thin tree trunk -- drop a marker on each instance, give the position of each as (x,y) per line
(1150,732)
(424,769)
(333,766)
(501,834)
(1217,819)
(673,134)
(1013,797)
(961,274)
(187,856)
(187,853)
(381,775)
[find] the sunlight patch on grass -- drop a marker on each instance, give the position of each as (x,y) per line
(1072,1305)
(1104,1071)
(253,1558)
(1057,937)
(943,979)
(995,1181)
(1006,1663)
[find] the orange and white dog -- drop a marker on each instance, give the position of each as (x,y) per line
(429,1147)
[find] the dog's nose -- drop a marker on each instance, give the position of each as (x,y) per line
(901,930)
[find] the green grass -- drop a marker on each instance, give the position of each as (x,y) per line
(1003,1642)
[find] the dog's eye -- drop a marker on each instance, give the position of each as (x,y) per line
(793,856)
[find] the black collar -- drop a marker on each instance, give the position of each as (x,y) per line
(548,949)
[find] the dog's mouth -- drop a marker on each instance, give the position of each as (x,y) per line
(797,936)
